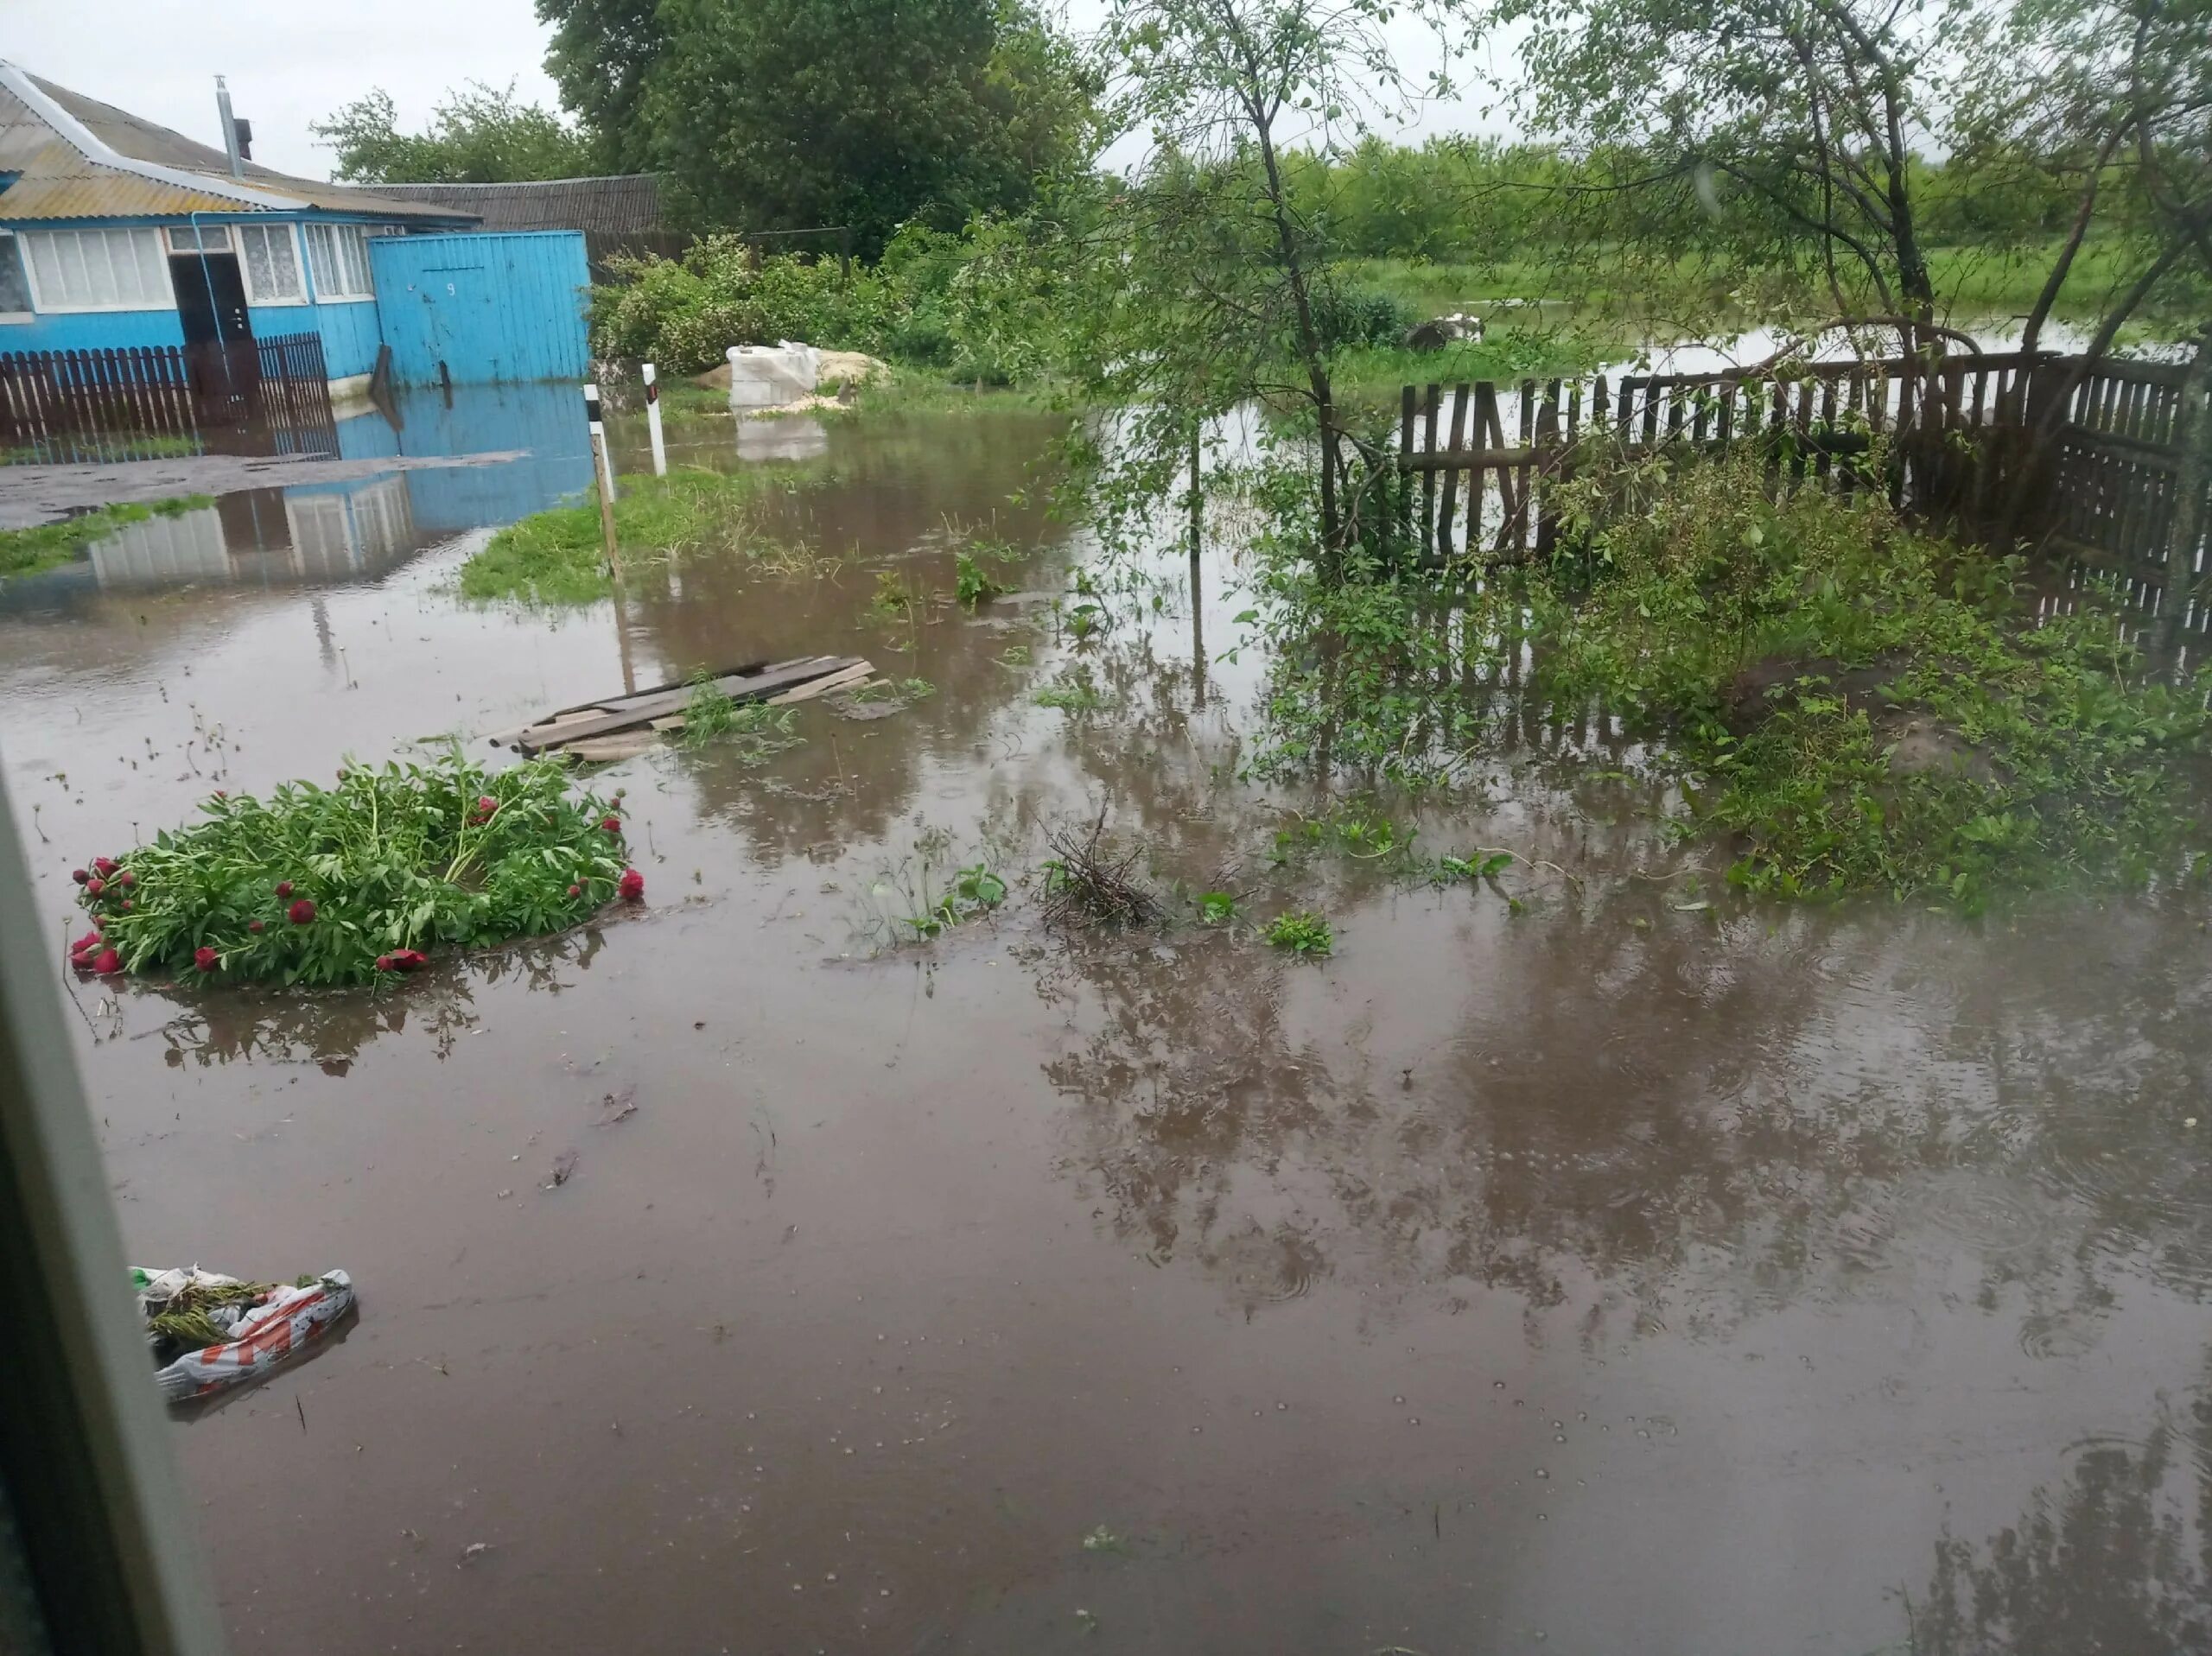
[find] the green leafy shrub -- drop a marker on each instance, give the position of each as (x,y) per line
(316,884)
(1348,317)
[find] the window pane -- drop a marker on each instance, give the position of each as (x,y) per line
(357,264)
(46,260)
(76,268)
(320,262)
(15,292)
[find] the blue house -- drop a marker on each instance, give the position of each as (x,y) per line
(116,233)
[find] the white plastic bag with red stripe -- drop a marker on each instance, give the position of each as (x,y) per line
(263,1332)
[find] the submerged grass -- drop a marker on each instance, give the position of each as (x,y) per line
(1851,704)
(557,557)
(27,551)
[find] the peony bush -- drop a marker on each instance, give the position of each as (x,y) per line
(372,877)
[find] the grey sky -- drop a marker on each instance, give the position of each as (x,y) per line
(291,64)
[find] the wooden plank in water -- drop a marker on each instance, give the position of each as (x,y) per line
(643,709)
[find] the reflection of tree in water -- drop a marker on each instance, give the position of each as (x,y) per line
(1709,1126)
(330,1027)
(2102,1564)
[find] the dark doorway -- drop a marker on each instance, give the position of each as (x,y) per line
(219,357)
(210,298)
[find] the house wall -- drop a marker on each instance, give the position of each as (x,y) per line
(504,308)
(351,331)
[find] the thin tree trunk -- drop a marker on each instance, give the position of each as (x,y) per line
(2192,477)
(1309,341)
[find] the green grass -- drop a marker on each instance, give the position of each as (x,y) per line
(322,885)
(557,557)
(1305,934)
(26,551)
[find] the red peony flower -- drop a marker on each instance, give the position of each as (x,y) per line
(575,891)
(632,884)
(126,880)
(301,913)
(126,905)
(95,885)
(219,794)
(612,824)
(283,888)
(384,962)
(408,959)
(205,959)
(80,875)
(89,940)
(107,962)
(487,804)
(106,865)
(254,926)
(82,960)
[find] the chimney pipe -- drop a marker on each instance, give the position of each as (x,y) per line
(230,129)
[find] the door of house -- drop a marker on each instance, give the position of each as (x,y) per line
(473,309)
(220,353)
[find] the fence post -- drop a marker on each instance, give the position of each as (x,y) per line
(652,422)
(603,470)
(1548,461)
(2187,522)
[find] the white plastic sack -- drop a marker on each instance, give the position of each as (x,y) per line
(769,376)
(269,1331)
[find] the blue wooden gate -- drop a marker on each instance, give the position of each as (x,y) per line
(492,310)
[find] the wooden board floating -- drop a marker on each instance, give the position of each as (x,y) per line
(622,726)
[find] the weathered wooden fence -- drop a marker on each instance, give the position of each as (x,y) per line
(149,403)
(1478,465)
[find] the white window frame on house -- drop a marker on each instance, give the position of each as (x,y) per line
(12,248)
(334,281)
(67,243)
(291,233)
(206,239)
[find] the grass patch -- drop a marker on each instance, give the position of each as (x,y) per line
(27,551)
(321,885)
(755,732)
(1071,692)
(1304,933)
(557,557)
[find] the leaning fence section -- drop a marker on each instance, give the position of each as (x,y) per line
(268,396)
(2084,457)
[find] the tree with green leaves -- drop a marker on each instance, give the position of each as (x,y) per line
(1207,280)
(477,135)
(858,116)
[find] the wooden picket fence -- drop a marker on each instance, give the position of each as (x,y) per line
(1478,465)
(257,397)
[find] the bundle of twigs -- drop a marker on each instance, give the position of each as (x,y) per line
(1085,885)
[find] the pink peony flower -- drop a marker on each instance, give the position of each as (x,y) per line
(107,962)
(95,885)
(575,891)
(106,865)
(301,913)
(89,940)
(384,962)
(126,880)
(632,884)
(612,824)
(254,926)
(205,959)
(82,960)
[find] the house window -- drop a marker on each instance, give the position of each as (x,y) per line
(207,238)
(98,270)
(338,256)
(270,258)
(14,286)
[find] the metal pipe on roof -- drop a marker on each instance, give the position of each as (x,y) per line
(230,129)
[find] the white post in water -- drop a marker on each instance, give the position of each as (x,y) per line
(652,422)
(602,461)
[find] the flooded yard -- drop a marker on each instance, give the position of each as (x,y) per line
(1582,1265)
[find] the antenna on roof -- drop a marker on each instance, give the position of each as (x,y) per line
(232,134)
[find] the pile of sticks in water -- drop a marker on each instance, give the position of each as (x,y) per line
(1084,885)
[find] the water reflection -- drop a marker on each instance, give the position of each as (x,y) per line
(2117,1558)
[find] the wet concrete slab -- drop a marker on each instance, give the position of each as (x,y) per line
(1607,1275)
(31,495)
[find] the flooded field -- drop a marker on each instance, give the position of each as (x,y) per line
(1608,1270)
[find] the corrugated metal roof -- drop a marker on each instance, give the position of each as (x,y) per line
(113,164)
(624,205)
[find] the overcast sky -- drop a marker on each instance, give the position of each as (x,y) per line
(291,63)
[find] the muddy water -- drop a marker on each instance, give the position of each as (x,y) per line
(1614,1274)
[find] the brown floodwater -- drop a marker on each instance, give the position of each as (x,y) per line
(1623,1268)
